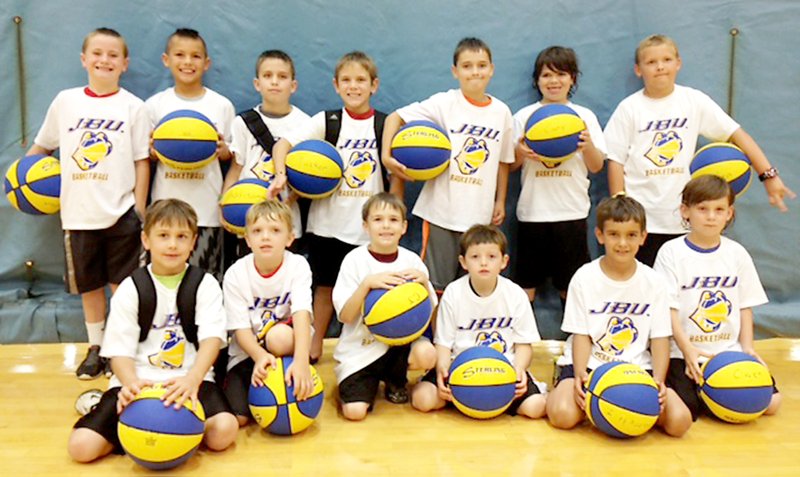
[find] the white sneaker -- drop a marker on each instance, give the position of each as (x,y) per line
(87,401)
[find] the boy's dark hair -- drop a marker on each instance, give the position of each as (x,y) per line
(620,208)
(108,32)
(359,57)
(707,187)
(557,58)
(471,44)
(170,211)
(387,200)
(276,54)
(479,234)
(186,33)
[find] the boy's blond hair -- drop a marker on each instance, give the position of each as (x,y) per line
(170,212)
(357,57)
(480,234)
(270,209)
(107,32)
(656,40)
(620,208)
(385,199)
(471,44)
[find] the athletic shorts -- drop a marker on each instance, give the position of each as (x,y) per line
(362,386)
(237,387)
(533,388)
(550,249)
(95,258)
(103,418)
(325,255)
(440,249)
(652,244)
(208,251)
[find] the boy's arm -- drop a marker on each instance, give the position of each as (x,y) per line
(499,212)
(141,185)
(299,373)
(581,349)
(232,176)
(659,352)
(393,124)
(124,369)
(592,156)
(746,331)
(279,152)
(689,351)
(616,178)
(37,149)
(187,386)
(523,352)
(351,311)
(443,355)
(776,189)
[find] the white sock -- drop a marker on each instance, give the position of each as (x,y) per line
(95,332)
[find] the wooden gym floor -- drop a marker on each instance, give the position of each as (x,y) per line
(39,389)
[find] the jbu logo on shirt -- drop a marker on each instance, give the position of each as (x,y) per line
(477,131)
(359,144)
(621,308)
(711,282)
(664,124)
(272,302)
(490,323)
(97,124)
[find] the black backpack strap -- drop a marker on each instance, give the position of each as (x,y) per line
(333,125)
(258,129)
(147,300)
(380,118)
(187,301)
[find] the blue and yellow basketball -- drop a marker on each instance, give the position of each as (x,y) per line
(314,169)
(622,399)
(399,315)
(553,131)
(736,387)
(724,160)
(274,406)
(33,184)
(185,140)
(236,201)
(424,148)
(482,381)
(159,437)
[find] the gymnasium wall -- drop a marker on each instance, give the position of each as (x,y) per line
(412,43)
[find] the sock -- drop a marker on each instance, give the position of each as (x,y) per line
(95,332)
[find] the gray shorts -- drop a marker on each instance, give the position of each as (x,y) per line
(440,254)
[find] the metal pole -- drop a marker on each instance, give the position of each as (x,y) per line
(23,112)
(731,75)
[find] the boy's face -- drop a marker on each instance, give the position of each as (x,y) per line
(483,262)
(170,245)
(268,239)
(275,82)
(708,219)
(554,85)
(658,66)
(385,226)
(473,71)
(186,59)
(104,58)
(355,86)
(621,240)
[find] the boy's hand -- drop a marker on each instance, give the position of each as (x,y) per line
(776,191)
(386,280)
(522,383)
(396,169)
(299,374)
(585,141)
(267,360)
(441,384)
(153,155)
(498,213)
(180,389)
(662,397)
(522,151)
(223,152)
(580,394)
(414,275)
(277,185)
(691,356)
(128,393)
(752,352)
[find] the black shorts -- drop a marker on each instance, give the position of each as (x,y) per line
(652,244)
(95,258)
(550,249)
(362,386)
(237,387)
(688,390)
(430,377)
(325,257)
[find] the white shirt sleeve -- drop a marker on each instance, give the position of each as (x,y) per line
(210,313)
(121,337)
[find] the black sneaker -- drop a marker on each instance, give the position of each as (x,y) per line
(107,367)
(396,394)
(92,365)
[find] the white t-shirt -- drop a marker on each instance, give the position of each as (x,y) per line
(620,317)
(165,354)
(200,188)
(255,161)
(561,192)
(357,348)
(255,302)
(498,321)
(655,140)
(99,139)
(339,216)
(481,138)
(709,288)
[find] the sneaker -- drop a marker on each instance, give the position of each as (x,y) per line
(92,365)
(87,401)
(107,367)
(396,394)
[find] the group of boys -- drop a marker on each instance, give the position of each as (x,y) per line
(268,291)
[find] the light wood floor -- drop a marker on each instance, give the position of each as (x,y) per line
(39,389)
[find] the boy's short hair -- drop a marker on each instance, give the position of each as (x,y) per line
(470,44)
(479,234)
(557,58)
(620,208)
(359,57)
(707,187)
(276,54)
(387,200)
(172,212)
(187,33)
(656,40)
(270,209)
(104,31)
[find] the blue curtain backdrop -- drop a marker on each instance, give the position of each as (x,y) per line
(412,43)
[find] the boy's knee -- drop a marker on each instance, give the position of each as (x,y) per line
(424,397)
(774,404)
(533,406)
(221,431)
(355,411)
(242,420)
(85,445)
(280,340)
(563,415)
(422,357)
